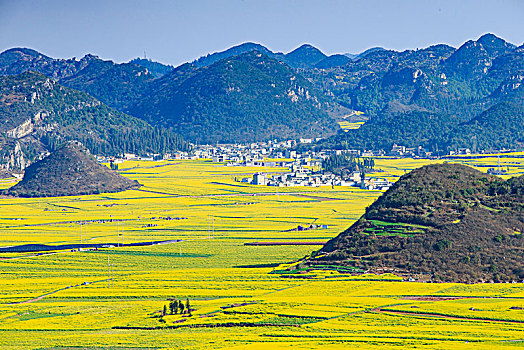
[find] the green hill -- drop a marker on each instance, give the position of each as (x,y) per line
(501,126)
(305,56)
(69,171)
(444,222)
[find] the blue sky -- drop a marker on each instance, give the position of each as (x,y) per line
(179,31)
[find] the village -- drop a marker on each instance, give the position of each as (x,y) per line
(301,166)
(304,168)
(305,177)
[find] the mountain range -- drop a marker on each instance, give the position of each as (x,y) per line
(37,115)
(249,93)
(249,97)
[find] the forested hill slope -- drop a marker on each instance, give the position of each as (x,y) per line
(69,171)
(305,56)
(501,126)
(444,222)
(37,114)
(454,86)
(156,68)
(239,99)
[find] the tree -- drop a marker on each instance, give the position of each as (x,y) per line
(164,311)
(181,307)
(188,307)
(173,307)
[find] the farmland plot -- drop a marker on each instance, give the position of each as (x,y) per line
(114,297)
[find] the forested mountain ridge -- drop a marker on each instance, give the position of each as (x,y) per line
(400,90)
(209,59)
(156,68)
(499,127)
(438,78)
(453,85)
(117,85)
(238,99)
(37,114)
(305,56)
(127,87)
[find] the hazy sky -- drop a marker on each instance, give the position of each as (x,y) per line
(179,31)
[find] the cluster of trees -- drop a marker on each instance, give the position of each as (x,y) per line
(177,306)
(114,141)
(113,166)
(342,164)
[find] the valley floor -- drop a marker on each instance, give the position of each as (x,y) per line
(68,300)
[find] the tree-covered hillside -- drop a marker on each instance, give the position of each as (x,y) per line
(442,222)
(244,98)
(38,114)
(157,69)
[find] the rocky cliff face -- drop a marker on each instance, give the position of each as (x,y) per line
(13,159)
(28,126)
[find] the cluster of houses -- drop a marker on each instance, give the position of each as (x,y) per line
(256,154)
(303,167)
(304,177)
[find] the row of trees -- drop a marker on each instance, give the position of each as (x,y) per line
(114,141)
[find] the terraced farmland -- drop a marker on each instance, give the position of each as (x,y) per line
(65,299)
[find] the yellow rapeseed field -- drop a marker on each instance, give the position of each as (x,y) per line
(65,300)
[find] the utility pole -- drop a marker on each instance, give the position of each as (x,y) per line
(208,227)
(108,274)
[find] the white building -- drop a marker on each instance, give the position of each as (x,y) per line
(259,179)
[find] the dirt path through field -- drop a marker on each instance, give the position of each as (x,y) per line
(51,293)
(462,318)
